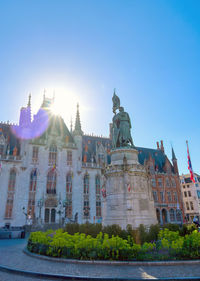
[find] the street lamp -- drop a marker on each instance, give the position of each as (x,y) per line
(40,205)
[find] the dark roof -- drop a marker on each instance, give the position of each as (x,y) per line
(157,155)
(90,145)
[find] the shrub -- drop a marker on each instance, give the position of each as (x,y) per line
(105,246)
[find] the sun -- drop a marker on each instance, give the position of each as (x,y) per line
(55,109)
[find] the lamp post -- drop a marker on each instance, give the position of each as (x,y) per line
(40,205)
(61,210)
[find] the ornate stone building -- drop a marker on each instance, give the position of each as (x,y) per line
(50,174)
(191,196)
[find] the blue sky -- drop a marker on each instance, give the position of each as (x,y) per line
(147,50)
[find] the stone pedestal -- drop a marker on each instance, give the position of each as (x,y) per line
(128,192)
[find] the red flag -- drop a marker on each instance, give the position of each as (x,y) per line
(129,187)
(190,164)
(103,190)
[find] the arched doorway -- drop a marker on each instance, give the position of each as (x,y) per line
(164,215)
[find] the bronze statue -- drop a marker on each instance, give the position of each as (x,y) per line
(121,134)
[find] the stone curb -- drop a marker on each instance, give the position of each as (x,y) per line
(119,263)
(83,278)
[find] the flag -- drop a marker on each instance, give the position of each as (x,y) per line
(190,164)
(53,168)
(0,167)
(129,187)
(103,190)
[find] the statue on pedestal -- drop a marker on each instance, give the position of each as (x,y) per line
(121,129)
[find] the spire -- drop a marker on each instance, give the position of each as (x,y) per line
(174,161)
(173,155)
(29,100)
(71,126)
(77,129)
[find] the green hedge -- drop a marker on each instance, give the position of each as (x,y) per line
(169,245)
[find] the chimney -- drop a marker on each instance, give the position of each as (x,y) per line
(161,146)
(157,145)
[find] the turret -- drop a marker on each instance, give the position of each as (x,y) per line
(25,115)
(174,161)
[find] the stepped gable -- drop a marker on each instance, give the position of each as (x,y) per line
(92,145)
(158,155)
(11,141)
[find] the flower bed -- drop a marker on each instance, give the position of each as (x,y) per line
(170,245)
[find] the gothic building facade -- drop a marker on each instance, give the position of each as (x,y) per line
(49,174)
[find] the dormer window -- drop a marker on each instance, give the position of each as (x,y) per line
(69,158)
(52,155)
(35,154)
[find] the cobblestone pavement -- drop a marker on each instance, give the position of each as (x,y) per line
(11,255)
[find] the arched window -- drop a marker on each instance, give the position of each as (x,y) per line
(86,184)
(53,215)
(68,208)
(158,215)
(98,196)
(51,182)
(52,154)
(172,215)
(12,180)
(86,203)
(164,216)
(10,194)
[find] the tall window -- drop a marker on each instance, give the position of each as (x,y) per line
(69,158)
(173,182)
(51,182)
(52,155)
(86,184)
(153,182)
(187,205)
(33,180)
(155,196)
(35,154)
(98,196)
(169,196)
(86,205)
(175,196)
(172,215)
(162,196)
(32,191)
(10,194)
(191,205)
(68,208)
(160,182)
(167,182)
